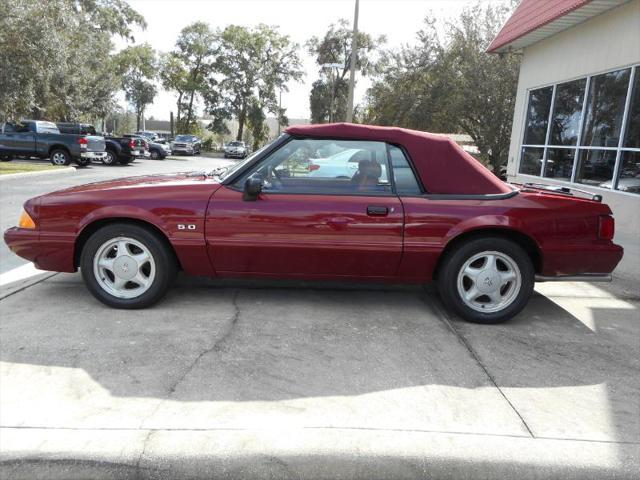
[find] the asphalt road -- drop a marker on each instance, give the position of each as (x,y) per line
(15,191)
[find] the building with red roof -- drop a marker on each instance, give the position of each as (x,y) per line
(577,113)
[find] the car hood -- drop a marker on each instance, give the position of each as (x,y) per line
(141,182)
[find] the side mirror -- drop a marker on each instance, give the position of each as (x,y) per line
(252,189)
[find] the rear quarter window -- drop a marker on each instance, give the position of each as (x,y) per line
(405,179)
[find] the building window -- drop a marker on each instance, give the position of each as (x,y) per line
(586,131)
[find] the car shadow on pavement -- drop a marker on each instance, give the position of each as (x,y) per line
(254,342)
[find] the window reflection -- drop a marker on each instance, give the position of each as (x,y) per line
(605,106)
(538,116)
(595,167)
(567,111)
(531,162)
(629,175)
(559,163)
(633,124)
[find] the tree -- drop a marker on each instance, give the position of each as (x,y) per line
(186,69)
(451,84)
(55,56)
(137,67)
(328,98)
(175,77)
(252,65)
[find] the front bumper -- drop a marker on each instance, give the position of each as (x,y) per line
(235,154)
(94,155)
(47,251)
(182,150)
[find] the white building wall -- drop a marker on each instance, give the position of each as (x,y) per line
(606,42)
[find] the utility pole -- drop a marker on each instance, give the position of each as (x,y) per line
(279,110)
(352,77)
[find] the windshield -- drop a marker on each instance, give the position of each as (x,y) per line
(183,138)
(236,144)
(227,171)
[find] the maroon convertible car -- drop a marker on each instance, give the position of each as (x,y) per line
(337,201)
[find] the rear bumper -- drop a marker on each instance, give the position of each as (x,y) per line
(47,251)
(94,155)
(592,260)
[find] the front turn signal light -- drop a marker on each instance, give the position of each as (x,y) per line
(26,221)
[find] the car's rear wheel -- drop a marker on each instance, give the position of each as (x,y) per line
(486,280)
(127,266)
(111,158)
(60,157)
(5,158)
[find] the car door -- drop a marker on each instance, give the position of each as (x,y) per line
(24,140)
(8,140)
(302,225)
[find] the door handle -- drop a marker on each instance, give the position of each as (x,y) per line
(377,211)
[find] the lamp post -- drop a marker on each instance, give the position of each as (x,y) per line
(331,66)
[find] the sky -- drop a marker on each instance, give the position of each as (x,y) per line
(398,20)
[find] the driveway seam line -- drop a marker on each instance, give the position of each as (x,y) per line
(214,347)
(28,285)
(442,315)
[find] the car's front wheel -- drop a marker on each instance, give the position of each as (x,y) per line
(486,280)
(127,266)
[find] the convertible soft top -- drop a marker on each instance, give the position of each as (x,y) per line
(443,166)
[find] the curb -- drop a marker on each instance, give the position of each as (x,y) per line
(308,453)
(9,176)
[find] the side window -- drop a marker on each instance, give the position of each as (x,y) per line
(9,127)
(346,167)
(24,127)
(405,179)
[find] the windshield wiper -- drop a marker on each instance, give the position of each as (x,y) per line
(217,172)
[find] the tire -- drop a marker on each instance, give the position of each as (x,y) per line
(495,294)
(226,156)
(154,155)
(60,157)
(126,160)
(5,158)
(83,162)
(111,158)
(126,291)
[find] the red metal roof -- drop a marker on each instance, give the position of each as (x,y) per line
(531,15)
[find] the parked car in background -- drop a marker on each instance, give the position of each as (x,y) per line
(157,151)
(235,149)
(36,138)
(118,150)
(186,144)
(442,216)
(150,136)
(124,150)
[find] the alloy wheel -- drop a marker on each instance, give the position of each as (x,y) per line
(489,281)
(58,158)
(124,267)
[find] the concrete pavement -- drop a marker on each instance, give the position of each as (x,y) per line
(280,380)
